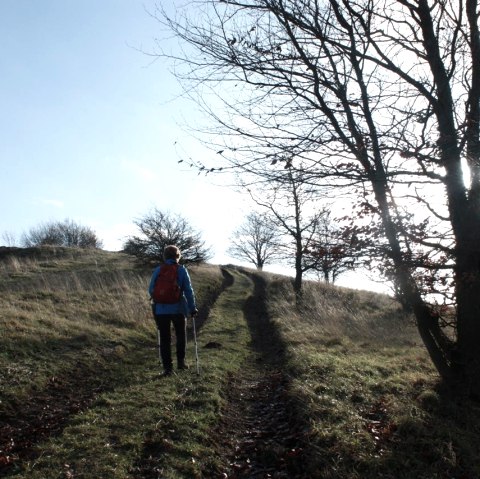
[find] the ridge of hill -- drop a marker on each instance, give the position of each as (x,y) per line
(336,387)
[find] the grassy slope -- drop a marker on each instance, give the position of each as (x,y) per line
(361,382)
(367,392)
(83,321)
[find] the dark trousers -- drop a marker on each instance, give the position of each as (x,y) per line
(164,322)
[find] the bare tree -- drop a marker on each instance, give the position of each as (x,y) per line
(290,202)
(255,241)
(159,229)
(382,98)
(58,233)
(333,251)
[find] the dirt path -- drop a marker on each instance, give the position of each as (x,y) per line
(258,434)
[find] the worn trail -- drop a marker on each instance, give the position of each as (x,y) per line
(258,434)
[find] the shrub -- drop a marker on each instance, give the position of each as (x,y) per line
(66,233)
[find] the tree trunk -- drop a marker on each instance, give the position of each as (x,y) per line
(326,275)
(467,282)
(259,263)
(298,281)
(438,345)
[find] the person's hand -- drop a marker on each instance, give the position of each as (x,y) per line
(194,313)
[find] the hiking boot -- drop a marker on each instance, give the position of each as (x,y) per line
(167,372)
(182,366)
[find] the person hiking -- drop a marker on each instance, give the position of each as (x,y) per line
(172,303)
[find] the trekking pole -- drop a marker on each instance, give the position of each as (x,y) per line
(159,352)
(196,346)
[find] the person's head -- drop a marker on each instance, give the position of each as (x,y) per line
(171,252)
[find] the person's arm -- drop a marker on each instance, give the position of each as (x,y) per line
(188,292)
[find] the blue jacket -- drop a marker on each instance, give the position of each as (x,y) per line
(187,304)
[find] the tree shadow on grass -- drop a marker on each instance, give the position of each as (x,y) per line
(259,428)
(45,413)
(266,338)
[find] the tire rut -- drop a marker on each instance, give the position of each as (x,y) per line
(258,435)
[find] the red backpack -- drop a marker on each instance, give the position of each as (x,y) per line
(166,289)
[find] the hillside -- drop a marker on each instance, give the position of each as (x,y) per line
(339,387)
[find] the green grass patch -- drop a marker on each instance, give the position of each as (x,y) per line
(133,423)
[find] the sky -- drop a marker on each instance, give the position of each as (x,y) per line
(91,126)
(90,122)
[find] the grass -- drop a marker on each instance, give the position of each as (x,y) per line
(366,390)
(78,356)
(99,326)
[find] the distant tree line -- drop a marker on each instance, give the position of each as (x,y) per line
(294,228)
(157,229)
(318,245)
(281,233)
